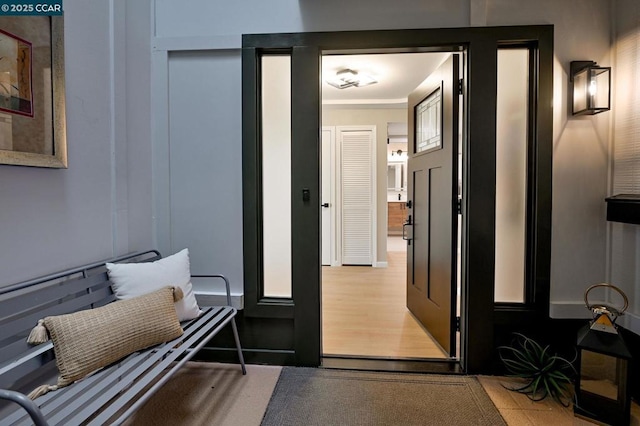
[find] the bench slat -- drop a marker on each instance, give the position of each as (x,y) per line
(21,324)
(52,402)
(141,257)
(30,359)
(18,349)
(34,298)
(62,408)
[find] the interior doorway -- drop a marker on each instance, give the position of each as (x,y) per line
(364,307)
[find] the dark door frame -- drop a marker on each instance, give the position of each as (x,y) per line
(479,314)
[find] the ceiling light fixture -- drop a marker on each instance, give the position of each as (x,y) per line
(350,78)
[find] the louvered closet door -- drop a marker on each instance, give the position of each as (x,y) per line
(357,177)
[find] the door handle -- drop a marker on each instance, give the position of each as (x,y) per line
(405,235)
(324,205)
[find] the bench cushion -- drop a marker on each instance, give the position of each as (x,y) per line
(134,279)
(88,340)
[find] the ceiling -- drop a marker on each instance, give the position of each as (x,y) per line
(397,75)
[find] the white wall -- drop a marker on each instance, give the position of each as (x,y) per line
(56,219)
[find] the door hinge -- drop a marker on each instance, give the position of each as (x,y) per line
(459,206)
(460,87)
(457,323)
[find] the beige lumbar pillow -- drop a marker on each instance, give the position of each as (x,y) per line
(86,341)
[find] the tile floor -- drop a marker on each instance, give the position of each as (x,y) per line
(518,410)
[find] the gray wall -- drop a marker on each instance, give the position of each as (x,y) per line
(135,114)
(205,164)
(98,207)
(581,146)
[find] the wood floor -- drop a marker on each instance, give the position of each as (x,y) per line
(364,313)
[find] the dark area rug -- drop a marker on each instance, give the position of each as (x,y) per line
(312,396)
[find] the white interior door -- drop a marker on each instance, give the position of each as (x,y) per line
(327,199)
(358,198)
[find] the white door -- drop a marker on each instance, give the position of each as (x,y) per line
(328,203)
(358,198)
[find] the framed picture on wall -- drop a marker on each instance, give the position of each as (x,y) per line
(16,94)
(32,102)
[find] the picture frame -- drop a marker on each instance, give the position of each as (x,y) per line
(35,138)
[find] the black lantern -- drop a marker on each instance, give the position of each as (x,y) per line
(602,386)
(591,88)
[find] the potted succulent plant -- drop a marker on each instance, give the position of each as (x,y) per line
(542,372)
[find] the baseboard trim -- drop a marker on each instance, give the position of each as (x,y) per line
(407,365)
(578,310)
(381,265)
(214,299)
(631,322)
(569,310)
(251,356)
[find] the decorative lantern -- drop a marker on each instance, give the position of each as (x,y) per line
(602,386)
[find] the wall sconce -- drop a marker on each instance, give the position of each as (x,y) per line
(590,88)
(350,78)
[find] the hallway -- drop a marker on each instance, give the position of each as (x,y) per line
(364,312)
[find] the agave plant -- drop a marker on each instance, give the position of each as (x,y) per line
(544,373)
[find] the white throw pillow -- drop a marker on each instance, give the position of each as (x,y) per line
(134,279)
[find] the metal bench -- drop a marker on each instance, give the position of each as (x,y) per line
(110,395)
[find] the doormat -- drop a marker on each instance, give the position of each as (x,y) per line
(312,396)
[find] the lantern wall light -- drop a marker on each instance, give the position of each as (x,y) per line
(590,88)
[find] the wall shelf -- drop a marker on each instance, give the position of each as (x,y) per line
(624,208)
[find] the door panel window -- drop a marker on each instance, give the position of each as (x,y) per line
(429,123)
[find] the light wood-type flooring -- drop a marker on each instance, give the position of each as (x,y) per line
(364,313)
